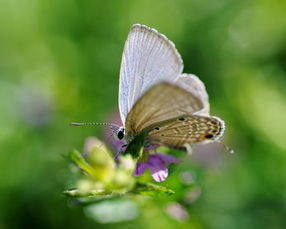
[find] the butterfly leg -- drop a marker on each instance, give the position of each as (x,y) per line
(119,152)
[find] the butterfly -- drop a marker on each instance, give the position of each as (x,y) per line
(158,104)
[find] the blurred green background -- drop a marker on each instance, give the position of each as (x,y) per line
(59,62)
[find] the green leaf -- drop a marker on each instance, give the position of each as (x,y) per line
(151,189)
(90,194)
(147,189)
(79,160)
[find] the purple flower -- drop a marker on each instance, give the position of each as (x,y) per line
(157,164)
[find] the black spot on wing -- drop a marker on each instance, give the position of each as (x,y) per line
(209,136)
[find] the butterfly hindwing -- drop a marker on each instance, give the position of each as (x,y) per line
(185,129)
(195,86)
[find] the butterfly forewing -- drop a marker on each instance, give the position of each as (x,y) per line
(162,102)
(185,129)
(148,58)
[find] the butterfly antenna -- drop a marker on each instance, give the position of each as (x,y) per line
(90,124)
(112,126)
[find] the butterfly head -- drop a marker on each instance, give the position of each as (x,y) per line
(118,132)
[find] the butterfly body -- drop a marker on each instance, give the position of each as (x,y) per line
(158,104)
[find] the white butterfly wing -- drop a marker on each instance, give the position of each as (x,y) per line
(148,58)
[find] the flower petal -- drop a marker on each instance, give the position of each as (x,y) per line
(158,165)
(140,168)
(156,162)
(168,158)
(159,175)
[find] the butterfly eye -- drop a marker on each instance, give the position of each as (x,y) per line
(120,134)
